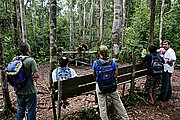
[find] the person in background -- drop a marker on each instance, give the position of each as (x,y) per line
(102,97)
(169,58)
(161,51)
(153,81)
(63,73)
(27,95)
(143,52)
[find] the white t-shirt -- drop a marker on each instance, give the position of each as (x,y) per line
(168,56)
(73,74)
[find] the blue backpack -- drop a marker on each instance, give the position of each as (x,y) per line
(64,73)
(15,72)
(106,80)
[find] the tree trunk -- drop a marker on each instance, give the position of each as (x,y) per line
(101,23)
(53,46)
(97,21)
(161,23)
(152,19)
(42,11)
(116,29)
(23,25)
(7,101)
(84,21)
(12,23)
(91,23)
(123,22)
(17,11)
(80,19)
(71,26)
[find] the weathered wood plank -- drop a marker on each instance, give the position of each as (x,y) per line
(77,86)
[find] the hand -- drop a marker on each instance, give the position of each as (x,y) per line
(169,63)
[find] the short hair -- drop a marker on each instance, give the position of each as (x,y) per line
(63,61)
(24,47)
(152,49)
(104,52)
(167,42)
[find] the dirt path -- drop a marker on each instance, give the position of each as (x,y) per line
(78,107)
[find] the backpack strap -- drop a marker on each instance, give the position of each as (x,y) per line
(100,63)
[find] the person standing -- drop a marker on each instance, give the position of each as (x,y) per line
(102,97)
(27,95)
(169,58)
(152,85)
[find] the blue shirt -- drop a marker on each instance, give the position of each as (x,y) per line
(95,67)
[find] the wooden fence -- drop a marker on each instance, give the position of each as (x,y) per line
(80,85)
(85,84)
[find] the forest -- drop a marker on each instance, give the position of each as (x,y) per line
(50,25)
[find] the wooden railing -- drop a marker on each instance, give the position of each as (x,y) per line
(80,85)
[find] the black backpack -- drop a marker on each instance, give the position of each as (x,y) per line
(106,80)
(157,65)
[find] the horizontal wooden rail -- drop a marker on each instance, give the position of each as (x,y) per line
(79,85)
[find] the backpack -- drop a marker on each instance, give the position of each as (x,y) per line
(15,72)
(157,65)
(106,80)
(64,73)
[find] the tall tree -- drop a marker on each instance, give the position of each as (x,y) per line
(42,29)
(23,25)
(152,19)
(84,20)
(101,23)
(91,22)
(53,46)
(7,102)
(71,26)
(116,28)
(161,23)
(123,22)
(97,21)
(80,19)
(18,22)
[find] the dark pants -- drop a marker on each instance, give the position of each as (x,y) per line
(166,91)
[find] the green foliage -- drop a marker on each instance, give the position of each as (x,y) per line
(86,113)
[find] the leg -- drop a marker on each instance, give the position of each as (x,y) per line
(102,104)
(169,92)
(151,101)
(21,107)
(165,87)
(32,104)
(119,105)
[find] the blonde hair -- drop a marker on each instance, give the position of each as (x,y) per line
(104,52)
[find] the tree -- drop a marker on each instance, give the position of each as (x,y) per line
(7,102)
(23,25)
(152,19)
(80,19)
(71,26)
(161,23)
(101,23)
(116,28)
(53,46)
(91,22)
(123,22)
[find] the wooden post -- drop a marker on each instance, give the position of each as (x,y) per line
(133,72)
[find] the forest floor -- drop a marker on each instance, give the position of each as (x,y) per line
(82,107)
